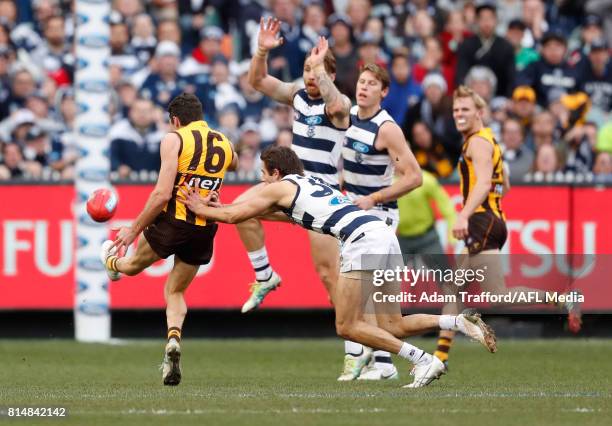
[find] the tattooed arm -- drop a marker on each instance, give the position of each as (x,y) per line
(337,105)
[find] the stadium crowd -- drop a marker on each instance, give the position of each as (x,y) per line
(542,65)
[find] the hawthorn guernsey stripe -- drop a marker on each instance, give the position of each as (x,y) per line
(319,207)
(366,168)
(316,141)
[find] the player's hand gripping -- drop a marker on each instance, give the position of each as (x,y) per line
(195,202)
(365,203)
(125,236)
(268,35)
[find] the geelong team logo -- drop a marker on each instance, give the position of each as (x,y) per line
(314,120)
(361,147)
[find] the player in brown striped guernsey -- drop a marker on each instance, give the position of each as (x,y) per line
(196,156)
(481,222)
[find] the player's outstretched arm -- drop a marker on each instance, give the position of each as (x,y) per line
(265,202)
(481,153)
(258,72)
(161,194)
(337,105)
(409,174)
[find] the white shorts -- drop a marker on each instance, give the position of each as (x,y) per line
(390,217)
(375,248)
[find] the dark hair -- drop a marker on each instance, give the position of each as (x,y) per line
(329,61)
(379,72)
(186,107)
(282,159)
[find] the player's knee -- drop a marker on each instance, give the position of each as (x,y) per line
(327,274)
(344,329)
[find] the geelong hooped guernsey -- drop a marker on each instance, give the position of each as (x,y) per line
(366,169)
(319,207)
(316,141)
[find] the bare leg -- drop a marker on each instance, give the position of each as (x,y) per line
(251,231)
(140,260)
(174,290)
(325,256)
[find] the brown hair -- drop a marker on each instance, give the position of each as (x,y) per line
(282,159)
(379,72)
(186,107)
(465,92)
(329,61)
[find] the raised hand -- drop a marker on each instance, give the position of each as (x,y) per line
(268,34)
(317,55)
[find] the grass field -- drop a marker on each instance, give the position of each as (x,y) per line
(278,382)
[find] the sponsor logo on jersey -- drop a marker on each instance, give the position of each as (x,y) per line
(361,147)
(204,182)
(314,120)
(338,200)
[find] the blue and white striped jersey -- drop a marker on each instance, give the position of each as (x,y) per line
(319,207)
(366,169)
(316,141)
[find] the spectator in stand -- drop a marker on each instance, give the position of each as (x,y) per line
(169,30)
(543,130)
(143,40)
(14,166)
(345,53)
(219,90)
(165,83)
(249,147)
(603,167)
(578,141)
(284,138)
(22,86)
(202,55)
(314,22)
(580,46)
(255,101)
(358,12)
(5,60)
(403,90)
(419,27)
(551,71)
(523,55)
(135,141)
(534,17)
(37,103)
(53,53)
(517,155)
(453,35)
(488,49)
(547,159)
(596,76)
(430,153)
(228,118)
(122,53)
(435,110)
(64,148)
(287,61)
(482,81)
(370,52)
(431,62)
(523,106)
(37,147)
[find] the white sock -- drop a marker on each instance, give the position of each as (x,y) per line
(382,360)
(352,348)
(448,322)
(413,354)
(261,264)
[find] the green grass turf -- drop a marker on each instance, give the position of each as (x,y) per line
(279,382)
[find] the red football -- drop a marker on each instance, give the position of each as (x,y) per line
(102,204)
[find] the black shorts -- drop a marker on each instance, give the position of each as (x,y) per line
(486,231)
(191,243)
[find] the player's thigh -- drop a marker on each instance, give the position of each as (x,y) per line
(144,256)
(325,252)
(489,264)
(180,276)
(250,193)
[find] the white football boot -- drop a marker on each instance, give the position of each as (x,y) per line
(372,372)
(259,290)
(353,365)
(105,252)
(426,371)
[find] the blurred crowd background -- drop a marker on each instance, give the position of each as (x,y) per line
(542,65)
